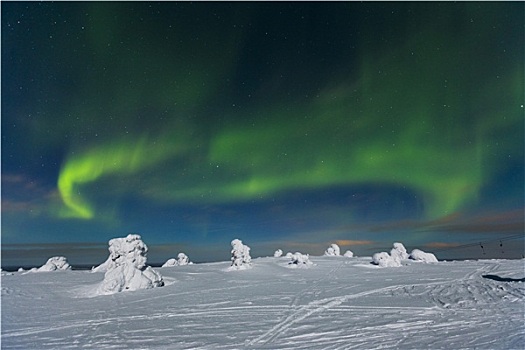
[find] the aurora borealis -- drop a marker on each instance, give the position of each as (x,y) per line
(283,124)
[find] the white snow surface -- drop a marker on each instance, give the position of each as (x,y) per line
(335,304)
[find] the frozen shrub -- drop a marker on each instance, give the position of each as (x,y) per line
(384,260)
(241,258)
(399,251)
(289,255)
(278,253)
(333,250)
(128,270)
(349,254)
(420,255)
(299,260)
(53,264)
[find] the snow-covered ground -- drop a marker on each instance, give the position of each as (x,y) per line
(336,303)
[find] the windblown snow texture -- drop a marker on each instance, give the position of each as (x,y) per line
(334,304)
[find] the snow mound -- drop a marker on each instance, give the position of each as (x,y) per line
(171,262)
(299,260)
(53,264)
(278,253)
(241,258)
(333,250)
(128,270)
(348,254)
(182,259)
(384,260)
(420,255)
(399,251)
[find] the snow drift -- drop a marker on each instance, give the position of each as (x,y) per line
(128,270)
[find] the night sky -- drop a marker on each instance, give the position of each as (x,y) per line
(287,125)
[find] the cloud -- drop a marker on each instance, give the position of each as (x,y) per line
(436,245)
(21,194)
(351,242)
(37,254)
(11,206)
(495,222)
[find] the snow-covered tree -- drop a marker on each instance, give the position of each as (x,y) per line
(182,259)
(129,270)
(383,259)
(333,250)
(399,251)
(278,253)
(300,260)
(53,264)
(420,255)
(348,254)
(241,258)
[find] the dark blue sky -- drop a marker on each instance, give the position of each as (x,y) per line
(288,125)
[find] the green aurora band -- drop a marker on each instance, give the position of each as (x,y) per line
(125,157)
(322,145)
(413,122)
